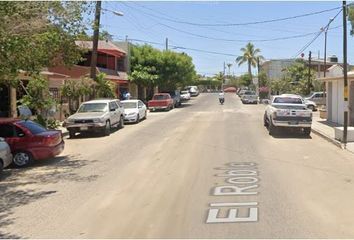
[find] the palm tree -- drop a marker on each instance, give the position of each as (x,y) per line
(229,65)
(250,55)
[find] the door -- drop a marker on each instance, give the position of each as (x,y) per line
(114,113)
(14,136)
(142,109)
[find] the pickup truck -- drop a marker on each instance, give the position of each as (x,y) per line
(288,111)
(161,101)
(249,97)
(176,96)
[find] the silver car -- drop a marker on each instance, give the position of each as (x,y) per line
(134,110)
(5,154)
(96,116)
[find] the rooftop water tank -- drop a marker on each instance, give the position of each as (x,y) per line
(333,58)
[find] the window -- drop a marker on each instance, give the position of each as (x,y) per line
(112,106)
(289,100)
(6,131)
(55,93)
(93,107)
(33,127)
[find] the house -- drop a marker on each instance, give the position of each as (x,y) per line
(274,68)
(335,95)
(110,60)
(9,95)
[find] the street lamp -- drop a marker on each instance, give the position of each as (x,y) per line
(96,32)
(325,29)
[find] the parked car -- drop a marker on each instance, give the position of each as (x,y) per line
(317,97)
(193,90)
(249,97)
(311,105)
(30,141)
(288,111)
(96,116)
(134,110)
(176,96)
(161,101)
(5,154)
(185,95)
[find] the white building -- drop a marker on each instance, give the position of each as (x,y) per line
(335,95)
(275,68)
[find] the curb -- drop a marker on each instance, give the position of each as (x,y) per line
(328,138)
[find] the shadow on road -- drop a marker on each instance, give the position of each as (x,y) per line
(290,134)
(19,187)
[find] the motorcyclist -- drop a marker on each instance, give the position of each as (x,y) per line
(221,96)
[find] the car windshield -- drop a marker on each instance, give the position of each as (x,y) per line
(93,107)
(33,127)
(289,100)
(160,97)
(128,105)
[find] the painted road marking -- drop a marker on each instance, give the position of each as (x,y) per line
(243,177)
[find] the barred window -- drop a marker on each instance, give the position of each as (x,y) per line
(55,93)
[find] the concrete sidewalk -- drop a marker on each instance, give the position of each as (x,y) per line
(326,130)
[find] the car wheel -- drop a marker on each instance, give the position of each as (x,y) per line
(307,131)
(107,129)
(22,159)
(137,119)
(271,127)
(265,123)
(121,123)
(72,134)
(1,166)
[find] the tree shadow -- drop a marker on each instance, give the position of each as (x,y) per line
(19,187)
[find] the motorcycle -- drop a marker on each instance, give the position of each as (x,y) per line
(221,100)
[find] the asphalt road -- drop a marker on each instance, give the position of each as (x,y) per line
(202,171)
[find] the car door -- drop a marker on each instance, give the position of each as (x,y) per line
(14,136)
(114,113)
(142,110)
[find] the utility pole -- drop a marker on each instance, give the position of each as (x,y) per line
(96,33)
(345,74)
(309,80)
(166,44)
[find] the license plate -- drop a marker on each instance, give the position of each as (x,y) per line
(83,128)
(293,123)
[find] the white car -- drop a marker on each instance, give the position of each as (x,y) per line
(5,154)
(134,110)
(185,95)
(96,116)
(290,111)
(311,105)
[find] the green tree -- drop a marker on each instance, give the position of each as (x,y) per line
(38,34)
(73,90)
(245,80)
(103,88)
(250,54)
(297,75)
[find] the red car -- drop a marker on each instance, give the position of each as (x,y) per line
(161,101)
(30,141)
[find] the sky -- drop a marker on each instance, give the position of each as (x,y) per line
(155,21)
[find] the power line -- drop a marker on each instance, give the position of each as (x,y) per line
(182,48)
(238,24)
(317,35)
(230,40)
